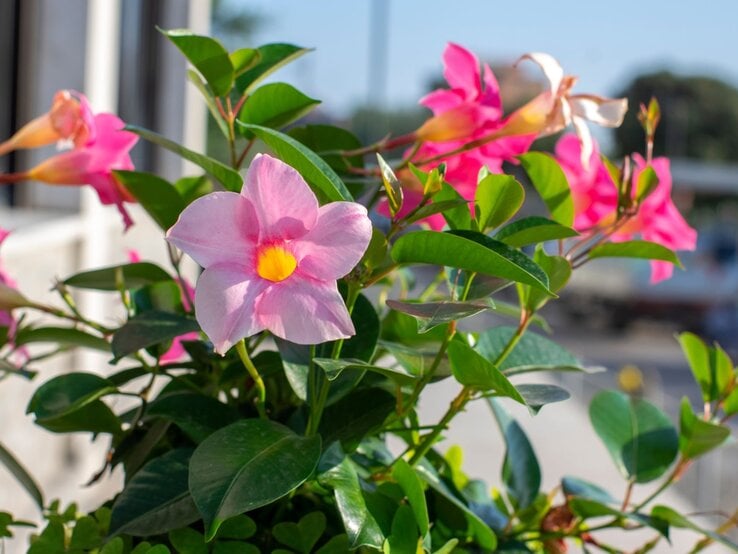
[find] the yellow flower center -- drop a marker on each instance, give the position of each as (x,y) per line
(274,263)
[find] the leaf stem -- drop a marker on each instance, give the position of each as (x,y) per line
(258,381)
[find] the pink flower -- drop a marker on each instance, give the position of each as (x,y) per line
(554,109)
(69,120)
(272,257)
(93,164)
(469,110)
(595,203)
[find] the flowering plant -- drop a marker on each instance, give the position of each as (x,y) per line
(286,418)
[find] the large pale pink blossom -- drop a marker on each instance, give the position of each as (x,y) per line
(470,109)
(272,257)
(595,202)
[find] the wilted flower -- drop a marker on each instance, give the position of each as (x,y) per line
(272,257)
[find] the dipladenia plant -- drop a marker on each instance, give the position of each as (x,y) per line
(264,395)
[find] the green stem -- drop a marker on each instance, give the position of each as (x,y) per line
(258,381)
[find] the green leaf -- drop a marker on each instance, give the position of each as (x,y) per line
(149,328)
(115,546)
(132,276)
(392,187)
(228,177)
(573,486)
(550,181)
(94,417)
(538,395)
(192,188)
(634,249)
(195,78)
(640,438)
(333,368)
(497,199)
(361,526)
(157,196)
(68,393)
(479,529)
(271,58)
(303,535)
(436,207)
(520,470)
(730,404)
(199,416)
(404,536)
(156,499)
(360,413)
(646,184)
(532,353)
(275,105)
(470,251)
(697,354)
(458,217)
(328,142)
(326,184)
(86,535)
(558,270)
(238,527)
(675,519)
(246,465)
(533,230)
(62,336)
(472,370)
(244,59)
(188,541)
(586,508)
(697,436)
(432,314)
(22,476)
(208,56)
(413,489)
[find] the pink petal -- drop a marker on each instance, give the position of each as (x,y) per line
(305,312)
(111,145)
(176,352)
(220,227)
(225,304)
(336,243)
(442,100)
(608,112)
(285,206)
(491,94)
(551,68)
(461,70)
(661,271)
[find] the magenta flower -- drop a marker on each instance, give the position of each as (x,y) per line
(469,110)
(272,257)
(595,202)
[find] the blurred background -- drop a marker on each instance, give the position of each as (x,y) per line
(374,59)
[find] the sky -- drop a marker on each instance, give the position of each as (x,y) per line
(604,43)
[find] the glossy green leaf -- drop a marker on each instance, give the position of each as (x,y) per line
(479,529)
(640,438)
(150,328)
(413,489)
(86,535)
(675,519)
(497,199)
(22,476)
(68,393)
(115,546)
(238,527)
(208,56)
(550,181)
(275,105)
(432,314)
(156,499)
(62,336)
(197,415)
(360,413)
(303,535)
(730,404)
(326,184)
(188,541)
(192,188)
(157,196)
(132,276)
(93,417)
(404,535)
(533,230)
(472,370)
(271,58)
(536,395)
(328,142)
(361,526)
(458,217)
(244,59)
(697,436)
(334,367)
(246,465)
(573,486)
(520,470)
(199,83)
(634,249)
(228,177)
(392,186)
(558,269)
(417,360)
(532,353)
(698,356)
(586,508)
(470,251)
(646,183)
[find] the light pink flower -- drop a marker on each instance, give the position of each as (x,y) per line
(555,109)
(469,110)
(272,256)
(93,163)
(595,203)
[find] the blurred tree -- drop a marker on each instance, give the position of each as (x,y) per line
(699,117)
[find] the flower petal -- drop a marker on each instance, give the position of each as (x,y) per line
(461,70)
(608,112)
(442,100)
(304,312)
(220,227)
(336,243)
(225,304)
(551,68)
(286,207)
